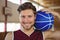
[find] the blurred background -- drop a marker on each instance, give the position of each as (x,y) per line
(9,16)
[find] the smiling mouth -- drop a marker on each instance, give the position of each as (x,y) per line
(26,24)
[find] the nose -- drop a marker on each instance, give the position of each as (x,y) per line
(26,19)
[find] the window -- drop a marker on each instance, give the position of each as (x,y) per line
(10,26)
(1,27)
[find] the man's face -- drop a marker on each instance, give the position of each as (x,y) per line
(27,19)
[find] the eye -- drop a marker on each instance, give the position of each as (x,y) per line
(29,16)
(23,16)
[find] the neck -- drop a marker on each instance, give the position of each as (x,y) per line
(28,32)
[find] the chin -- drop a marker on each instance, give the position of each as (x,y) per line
(28,28)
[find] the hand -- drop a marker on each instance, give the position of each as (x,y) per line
(56,14)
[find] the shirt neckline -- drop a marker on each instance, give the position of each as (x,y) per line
(27,35)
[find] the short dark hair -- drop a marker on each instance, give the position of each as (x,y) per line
(26,5)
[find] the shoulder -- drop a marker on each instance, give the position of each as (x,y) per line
(17,31)
(38,30)
(39,34)
(8,36)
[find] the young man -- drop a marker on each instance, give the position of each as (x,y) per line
(27,16)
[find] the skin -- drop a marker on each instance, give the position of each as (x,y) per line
(27,20)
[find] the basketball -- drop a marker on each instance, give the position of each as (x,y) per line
(44,21)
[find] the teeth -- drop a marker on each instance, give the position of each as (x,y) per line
(26,24)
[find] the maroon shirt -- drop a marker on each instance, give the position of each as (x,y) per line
(36,35)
